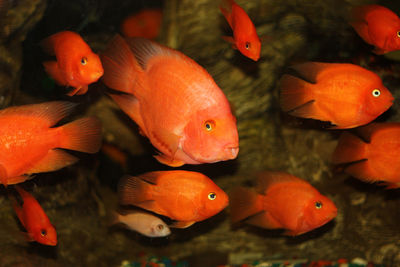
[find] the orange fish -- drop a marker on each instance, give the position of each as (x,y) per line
(175,102)
(282,201)
(245,37)
(29,142)
(76,66)
(374,155)
(34,220)
(184,196)
(378,26)
(146,24)
(346,95)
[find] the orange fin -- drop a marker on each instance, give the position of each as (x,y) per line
(311,71)
(181,224)
(267,178)
(50,112)
(294,94)
(54,160)
(28,237)
(164,159)
(133,190)
(78,91)
(151,177)
(264,220)
(130,105)
(82,135)
(350,148)
(52,69)
(19,179)
(244,203)
(167,140)
(121,70)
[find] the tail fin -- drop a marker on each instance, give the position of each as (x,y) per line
(244,203)
(294,93)
(82,135)
(133,190)
(349,149)
(121,68)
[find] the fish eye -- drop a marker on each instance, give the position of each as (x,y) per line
(160,227)
(376,92)
(398,34)
(84,61)
(318,205)
(43,232)
(209,125)
(212,196)
(247,45)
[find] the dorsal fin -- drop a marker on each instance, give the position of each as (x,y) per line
(267,178)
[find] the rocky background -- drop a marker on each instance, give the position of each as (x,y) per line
(79,199)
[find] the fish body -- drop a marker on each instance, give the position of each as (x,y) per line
(175,102)
(372,154)
(76,66)
(34,220)
(358,92)
(378,26)
(29,142)
(184,196)
(245,37)
(146,24)
(282,201)
(144,223)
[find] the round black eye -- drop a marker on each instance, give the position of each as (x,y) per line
(398,34)
(43,232)
(160,227)
(318,205)
(212,196)
(84,61)
(209,125)
(247,45)
(376,92)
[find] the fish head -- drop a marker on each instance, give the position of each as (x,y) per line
(89,68)
(46,235)
(158,229)
(213,200)
(211,136)
(318,211)
(378,99)
(392,42)
(250,47)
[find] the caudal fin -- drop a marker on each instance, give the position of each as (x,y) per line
(349,149)
(244,203)
(82,135)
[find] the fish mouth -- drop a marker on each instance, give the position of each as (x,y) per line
(231,152)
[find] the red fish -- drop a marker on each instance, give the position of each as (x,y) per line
(346,95)
(175,102)
(76,66)
(184,196)
(378,26)
(146,24)
(282,201)
(245,37)
(374,155)
(34,220)
(29,142)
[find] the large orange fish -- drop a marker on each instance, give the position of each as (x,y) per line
(282,201)
(34,219)
(346,95)
(245,37)
(146,24)
(29,143)
(76,66)
(374,155)
(184,196)
(175,102)
(378,26)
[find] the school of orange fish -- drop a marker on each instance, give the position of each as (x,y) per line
(187,118)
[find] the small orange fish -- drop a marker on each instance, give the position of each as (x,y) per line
(34,219)
(184,196)
(245,37)
(374,155)
(378,26)
(346,95)
(175,102)
(29,142)
(146,24)
(282,201)
(76,66)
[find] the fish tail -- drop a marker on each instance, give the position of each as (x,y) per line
(133,190)
(294,93)
(121,69)
(244,203)
(349,149)
(82,135)
(226,9)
